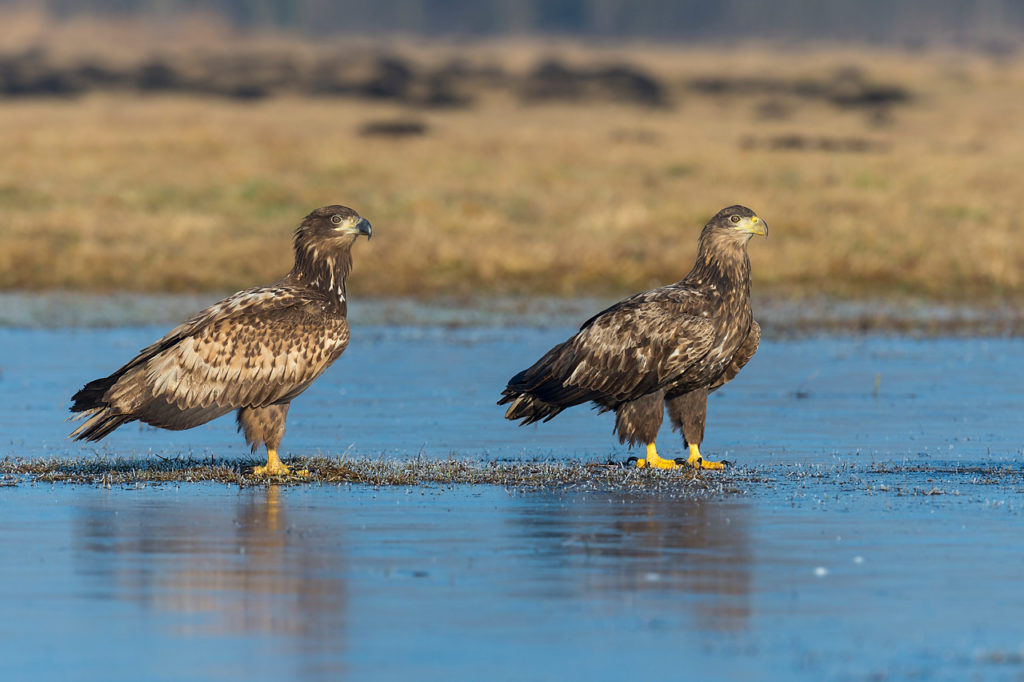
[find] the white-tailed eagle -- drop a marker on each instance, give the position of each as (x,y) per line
(252,352)
(667,347)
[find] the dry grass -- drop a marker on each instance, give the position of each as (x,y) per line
(325,470)
(848,477)
(177,193)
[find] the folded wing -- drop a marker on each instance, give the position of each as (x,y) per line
(627,351)
(257,348)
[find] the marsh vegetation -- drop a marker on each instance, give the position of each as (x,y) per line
(509,167)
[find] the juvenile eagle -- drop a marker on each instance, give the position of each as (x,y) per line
(252,352)
(670,345)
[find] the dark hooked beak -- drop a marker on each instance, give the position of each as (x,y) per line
(364,227)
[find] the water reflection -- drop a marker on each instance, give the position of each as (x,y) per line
(222,571)
(312,582)
(614,544)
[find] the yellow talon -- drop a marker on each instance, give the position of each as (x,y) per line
(697,462)
(653,460)
(275,467)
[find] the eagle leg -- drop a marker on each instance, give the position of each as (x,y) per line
(688,413)
(265,426)
(653,460)
(275,467)
(698,462)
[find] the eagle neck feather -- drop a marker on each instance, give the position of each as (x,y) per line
(322,267)
(723,263)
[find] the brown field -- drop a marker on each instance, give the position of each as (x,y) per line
(506,195)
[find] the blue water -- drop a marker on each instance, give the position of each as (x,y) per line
(209,582)
(401,391)
(820,564)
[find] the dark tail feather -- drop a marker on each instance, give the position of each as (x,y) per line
(90,396)
(543,399)
(100,421)
(539,393)
(527,407)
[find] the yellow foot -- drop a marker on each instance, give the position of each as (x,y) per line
(653,460)
(697,462)
(275,467)
(281,470)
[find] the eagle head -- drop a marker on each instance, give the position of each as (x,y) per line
(333,224)
(737,222)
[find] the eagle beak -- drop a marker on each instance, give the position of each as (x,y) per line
(364,227)
(754,225)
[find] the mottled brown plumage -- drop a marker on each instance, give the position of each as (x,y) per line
(252,352)
(667,346)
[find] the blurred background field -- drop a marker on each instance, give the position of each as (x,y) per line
(175,154)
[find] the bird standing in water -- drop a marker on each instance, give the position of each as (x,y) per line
(252,352)
(667,347)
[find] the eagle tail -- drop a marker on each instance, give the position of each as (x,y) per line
(100,418)
(90,396)
(540,392)
(528,408)
(99,422)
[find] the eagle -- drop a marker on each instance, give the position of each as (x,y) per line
(252,352)
(664,348)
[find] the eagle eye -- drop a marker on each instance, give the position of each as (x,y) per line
(734,218)
(336,219)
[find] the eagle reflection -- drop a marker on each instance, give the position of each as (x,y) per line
(611,544)
(244,571)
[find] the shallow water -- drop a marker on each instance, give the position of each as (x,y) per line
(401,391)
(812,581)
(874,531)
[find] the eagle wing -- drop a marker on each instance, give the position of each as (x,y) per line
(259,347)
(624,352)
(639,345)
(740,358)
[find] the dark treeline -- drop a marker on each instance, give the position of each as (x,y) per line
(908,21)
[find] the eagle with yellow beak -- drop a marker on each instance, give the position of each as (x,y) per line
(667,347)
(253,352)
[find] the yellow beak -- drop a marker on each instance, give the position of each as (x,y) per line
(754,225)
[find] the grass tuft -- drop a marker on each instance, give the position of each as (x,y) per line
(417,471)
